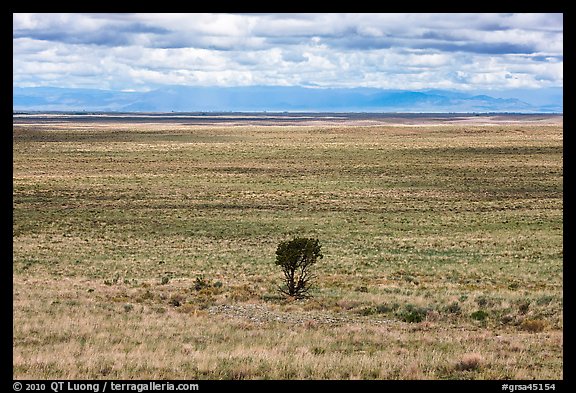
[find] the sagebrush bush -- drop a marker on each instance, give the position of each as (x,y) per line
(453,308)
(411,313)
(479,315)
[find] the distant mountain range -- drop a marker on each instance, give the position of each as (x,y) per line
(272,98)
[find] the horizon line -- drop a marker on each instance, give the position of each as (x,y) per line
(81,112)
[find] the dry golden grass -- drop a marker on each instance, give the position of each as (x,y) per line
(83,335)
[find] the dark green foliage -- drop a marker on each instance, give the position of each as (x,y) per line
(295,257)
(411,313)
(479,315)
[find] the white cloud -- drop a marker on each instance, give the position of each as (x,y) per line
(412,51)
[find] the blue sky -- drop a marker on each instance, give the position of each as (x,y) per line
(141,52)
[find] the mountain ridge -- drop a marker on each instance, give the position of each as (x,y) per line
(269,98)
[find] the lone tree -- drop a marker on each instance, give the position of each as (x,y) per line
(295,258)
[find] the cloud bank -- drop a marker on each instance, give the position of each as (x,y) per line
(142,52)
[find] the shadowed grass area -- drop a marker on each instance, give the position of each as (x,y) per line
(442,251)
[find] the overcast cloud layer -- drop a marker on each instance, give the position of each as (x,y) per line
(391,51)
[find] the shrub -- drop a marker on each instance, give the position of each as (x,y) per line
(479,315)
(453,308)
(176,300)
(295,257)
(200,283)
(507,319)
(482,301)
(523,306)
(411,313)
(544,300)
(533,325)
(469,362)
(386,308)
(366,311)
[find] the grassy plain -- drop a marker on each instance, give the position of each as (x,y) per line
(147,251)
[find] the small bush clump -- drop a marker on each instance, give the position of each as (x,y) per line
(544,300)
(469,362)
(482,301)
(453,308)
(200,283)
(479,315)
(533,325)
(386,308)
(176,300)
(366,311)
(523,306)
(412,314)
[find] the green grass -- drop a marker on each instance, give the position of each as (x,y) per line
(420,217)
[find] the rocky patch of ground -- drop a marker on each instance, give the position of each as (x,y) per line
(261,314)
